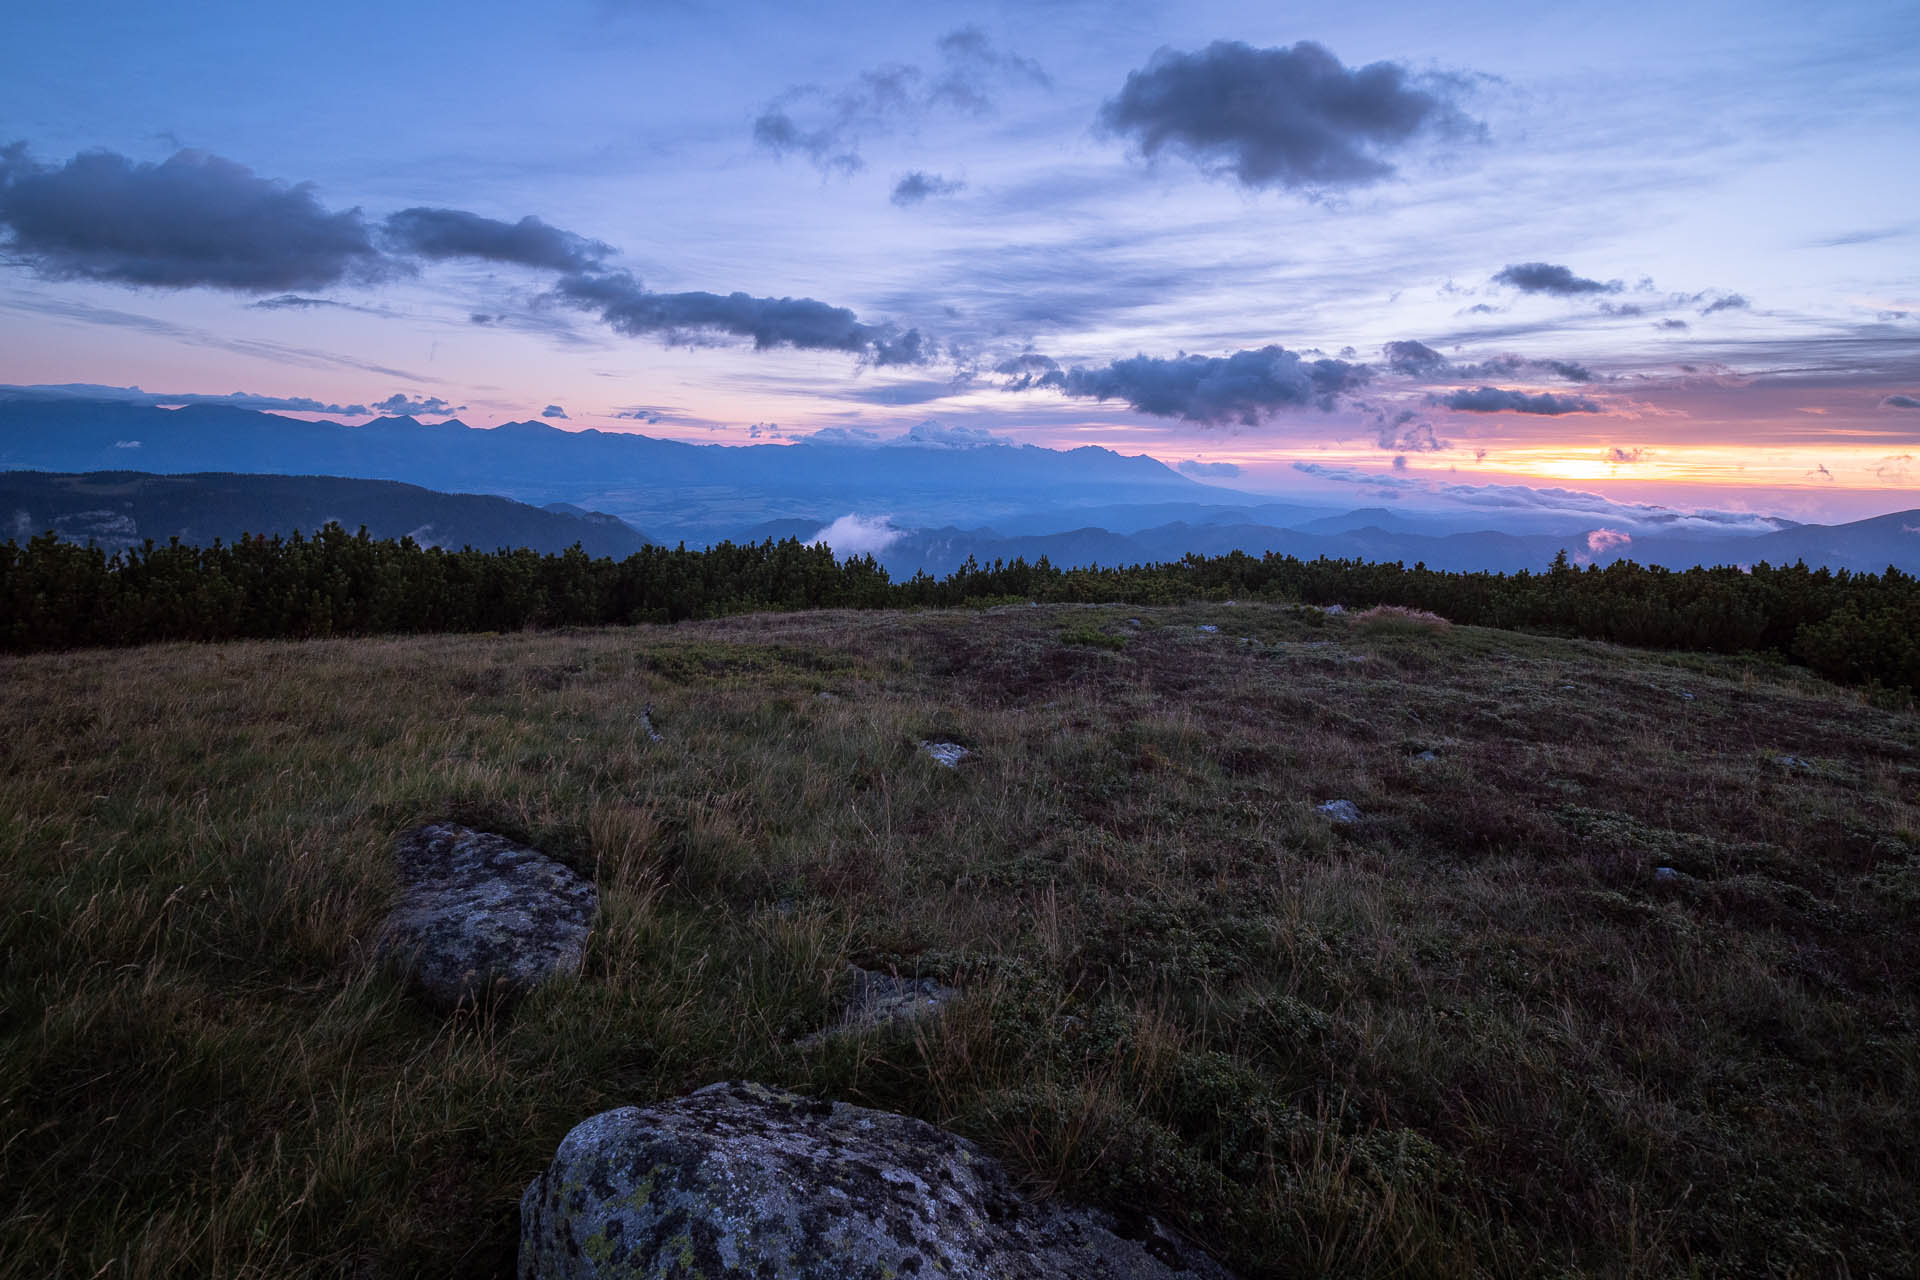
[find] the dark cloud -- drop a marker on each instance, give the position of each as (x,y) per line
(1673,325)
(1026,367)
(1417,359)
(1207,470)
(1549,277)
(1902,402)
(1616,456)
(1243,387)
(640,413)
(1495,400)
(292,302)
(1412,357)
(455,233)
(397,403)
(1293,117)
(1726,302)
(916,186)
(629,308)
(828,127)
(194,220)
(1622,309)
(554,411)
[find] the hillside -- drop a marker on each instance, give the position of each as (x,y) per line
(119,509)
(1614,973)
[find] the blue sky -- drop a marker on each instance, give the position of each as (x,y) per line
(1665,252)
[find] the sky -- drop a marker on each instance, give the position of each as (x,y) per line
(1666,253)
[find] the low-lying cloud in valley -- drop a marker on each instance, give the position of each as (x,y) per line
(858,535)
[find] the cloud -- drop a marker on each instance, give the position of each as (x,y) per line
(1207,470)
(554,411)
(916,186)
(295,302)
(857,437)
(828,127)
(1726,302)
(1243,387)
(640,413)
(1820,473)
(629,308)
(455,233)
(1413,357)
(1618,457)
(1894,470)
(1573,505)
(1902,402)
(1672,325)
(1601,541)
(926,435)
(1495,400)
(937,435)
(156,399)
(397,404)
(1548,277)
(1286,117)
(193,220)
(856,535)
(1401,434)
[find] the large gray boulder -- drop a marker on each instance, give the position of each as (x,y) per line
(481,916)
(740,1179)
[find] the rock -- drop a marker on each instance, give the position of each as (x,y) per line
(479,914)
(949,754)
(1426,757)
(1341,810)
(1333,608)
(880,998)
(1794,763)
(1207,627)
(646,724)
(1669,873)
(740,1179)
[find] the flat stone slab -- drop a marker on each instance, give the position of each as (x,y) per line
(480,915)
(740,1179)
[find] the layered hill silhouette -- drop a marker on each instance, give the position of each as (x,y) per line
(116,510)
(949,496)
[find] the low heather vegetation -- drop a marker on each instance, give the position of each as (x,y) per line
(1614,974)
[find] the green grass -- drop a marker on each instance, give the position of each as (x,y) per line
(1471,1034)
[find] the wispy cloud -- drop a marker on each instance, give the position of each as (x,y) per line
(828,126)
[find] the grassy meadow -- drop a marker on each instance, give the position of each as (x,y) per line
(1473,1033)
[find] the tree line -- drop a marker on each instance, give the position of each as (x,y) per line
(1860,628)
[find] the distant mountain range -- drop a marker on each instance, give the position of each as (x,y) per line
(121,509)
(1862,546)
(950,496)
(678,491)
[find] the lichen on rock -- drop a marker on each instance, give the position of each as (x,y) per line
(480,915)
(742,1179)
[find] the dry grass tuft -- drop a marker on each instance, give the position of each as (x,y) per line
(1394,617)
